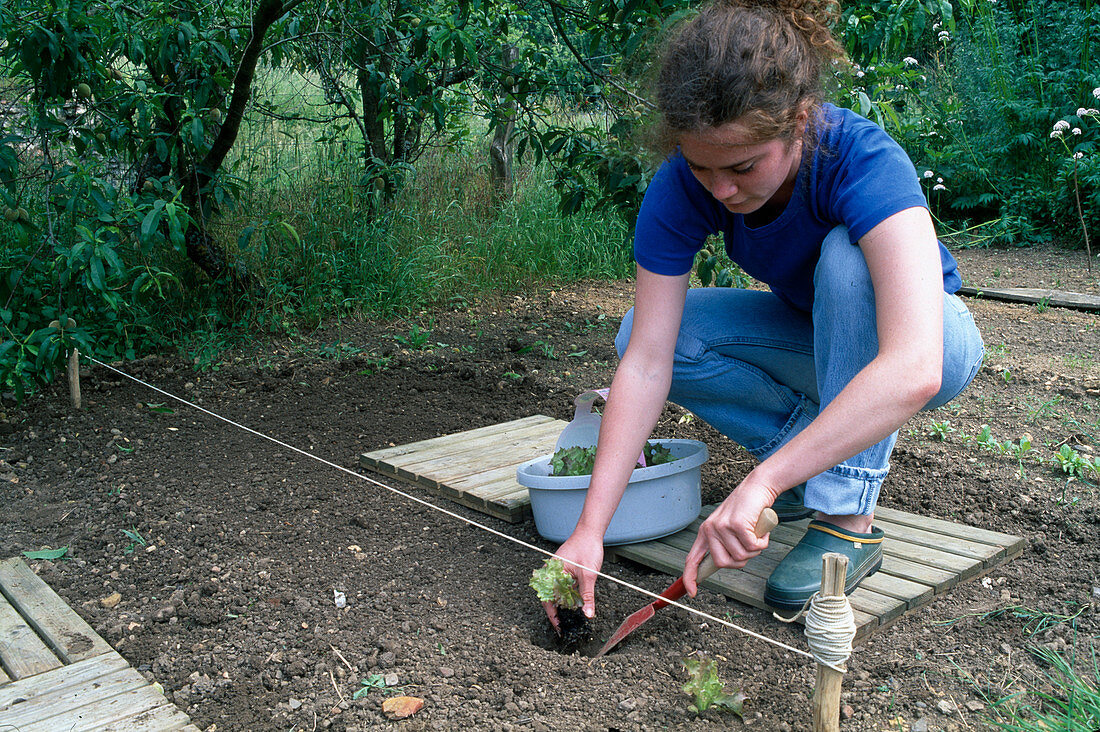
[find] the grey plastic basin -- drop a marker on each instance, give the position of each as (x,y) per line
(658,500)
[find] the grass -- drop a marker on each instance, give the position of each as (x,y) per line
(324,248)
(1072,703)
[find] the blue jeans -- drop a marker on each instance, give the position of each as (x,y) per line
(759,371)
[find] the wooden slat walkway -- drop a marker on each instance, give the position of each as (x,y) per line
(922,558)
(1031,295)
(476,468)
(56,673)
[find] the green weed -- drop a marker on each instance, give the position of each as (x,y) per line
(1034,621)
(416,340)
(1074,464)
(135,538)
(1071,705)
(940,430)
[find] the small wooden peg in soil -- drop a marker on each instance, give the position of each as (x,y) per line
(74,363)
(834,570)
(74,377)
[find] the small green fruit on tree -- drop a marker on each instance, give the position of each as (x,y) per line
(215,115)
(553,584)
(23,215)
(379,184)
(11,214)
(707,689)
(83,91)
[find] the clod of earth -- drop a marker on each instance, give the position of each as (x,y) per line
(574,630)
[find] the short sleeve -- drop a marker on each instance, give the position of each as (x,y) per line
(676,217)
(867,176)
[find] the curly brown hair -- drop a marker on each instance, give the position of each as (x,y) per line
(759,62)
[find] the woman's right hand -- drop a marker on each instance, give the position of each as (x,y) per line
(587,552)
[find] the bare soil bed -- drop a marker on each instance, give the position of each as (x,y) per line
(229,602)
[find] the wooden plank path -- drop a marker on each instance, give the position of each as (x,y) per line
(476,468)
(922,558)
(1031,295)
(56,673)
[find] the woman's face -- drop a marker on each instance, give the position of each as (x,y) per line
(743,175)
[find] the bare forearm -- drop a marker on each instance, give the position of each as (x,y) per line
(637,397)
(879,400)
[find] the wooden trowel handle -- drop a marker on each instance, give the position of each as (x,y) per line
(767,521)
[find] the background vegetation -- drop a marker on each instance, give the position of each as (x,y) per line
(176,174)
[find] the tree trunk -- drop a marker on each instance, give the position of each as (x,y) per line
(197,181)
(500,149)
(375,130)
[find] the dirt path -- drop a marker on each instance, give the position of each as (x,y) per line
(226,550)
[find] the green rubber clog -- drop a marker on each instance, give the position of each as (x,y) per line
(790,507)
(798,576)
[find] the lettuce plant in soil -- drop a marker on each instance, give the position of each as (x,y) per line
(708,690)
(553,584)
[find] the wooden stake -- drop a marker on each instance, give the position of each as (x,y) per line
(834,571)
(74,361)
(74,377)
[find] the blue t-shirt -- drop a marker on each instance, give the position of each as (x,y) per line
(858,177)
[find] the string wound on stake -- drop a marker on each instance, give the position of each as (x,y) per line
(830,629)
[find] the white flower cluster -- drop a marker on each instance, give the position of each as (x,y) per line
(1059,129)
(939,186)
(1096,92)
(909,61)
(1078,155)
(943,37)
(1090,112)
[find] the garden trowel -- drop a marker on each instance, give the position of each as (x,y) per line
(764,524)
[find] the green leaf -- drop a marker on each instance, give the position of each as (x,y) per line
(864,104)
(151,221)
(553,584)
(47,553)
(703,684)
(96,273)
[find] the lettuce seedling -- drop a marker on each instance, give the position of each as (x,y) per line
(708,690)
(579,460)
(657,454)
(573,461)
(553,584)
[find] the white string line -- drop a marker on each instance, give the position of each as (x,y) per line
(452,514)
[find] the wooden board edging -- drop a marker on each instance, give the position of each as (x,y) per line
(1034,296)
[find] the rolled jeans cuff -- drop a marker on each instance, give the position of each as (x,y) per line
(845,490)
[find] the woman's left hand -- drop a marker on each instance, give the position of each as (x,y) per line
(728,532)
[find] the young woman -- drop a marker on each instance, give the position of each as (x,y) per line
(860,329)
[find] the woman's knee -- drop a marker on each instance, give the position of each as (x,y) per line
(841,267)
